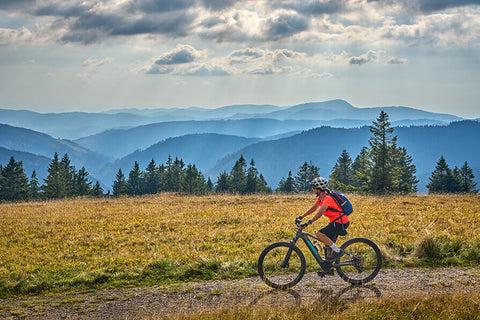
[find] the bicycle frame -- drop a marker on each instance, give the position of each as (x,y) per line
(305,237)
(313,250)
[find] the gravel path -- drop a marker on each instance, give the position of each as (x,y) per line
(157,302)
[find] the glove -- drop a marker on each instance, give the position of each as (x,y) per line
(298,220)
(304,225)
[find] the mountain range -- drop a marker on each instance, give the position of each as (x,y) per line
(336,113)
(279,139)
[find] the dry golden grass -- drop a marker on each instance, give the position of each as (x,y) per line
(456,306)
(65,243)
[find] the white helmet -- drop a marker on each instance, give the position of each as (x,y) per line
(320,183)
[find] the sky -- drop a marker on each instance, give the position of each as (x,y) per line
(90,55)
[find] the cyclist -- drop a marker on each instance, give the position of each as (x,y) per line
(327,206)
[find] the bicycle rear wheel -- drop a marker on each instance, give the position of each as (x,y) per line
(281,265)
(360,263)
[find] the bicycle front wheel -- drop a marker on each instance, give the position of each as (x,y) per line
(281,265)
(360,263)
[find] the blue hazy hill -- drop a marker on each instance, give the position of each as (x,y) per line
(337,113)
(457,142)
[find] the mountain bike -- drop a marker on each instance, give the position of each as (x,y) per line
(282,265)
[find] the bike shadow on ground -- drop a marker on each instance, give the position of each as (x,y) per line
(290,298)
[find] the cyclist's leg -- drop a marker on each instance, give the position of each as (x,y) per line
(326,234)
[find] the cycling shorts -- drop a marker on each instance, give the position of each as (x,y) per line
(333,229)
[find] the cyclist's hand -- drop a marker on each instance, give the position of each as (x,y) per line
(298,220)
(306,224)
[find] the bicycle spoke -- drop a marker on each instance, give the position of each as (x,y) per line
(361,263)
(280,266)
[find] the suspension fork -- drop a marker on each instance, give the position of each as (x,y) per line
(284,263)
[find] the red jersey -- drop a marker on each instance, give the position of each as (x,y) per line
(331,204)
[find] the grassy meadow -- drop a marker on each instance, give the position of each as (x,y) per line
(454,307)
(79,244)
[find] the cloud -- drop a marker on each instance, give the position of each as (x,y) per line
(366,23)
(313,7)
(396,61)
(365,58)
(440,29)
(180,55)
(65,9)
(15,4)
(185,60)
(217,5)
(206,70)
(429,6)
(88,22)
(285,25)
(84,77)
(347,59)
(424,6)
(157,69)
(150,6)
(96,63)
(14,36)
(246,55)
(211,22)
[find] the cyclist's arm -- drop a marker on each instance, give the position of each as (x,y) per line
(320,213)
(311,210)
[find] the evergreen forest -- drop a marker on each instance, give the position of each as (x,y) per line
(382,167)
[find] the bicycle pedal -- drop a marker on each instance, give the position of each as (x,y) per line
(322,274)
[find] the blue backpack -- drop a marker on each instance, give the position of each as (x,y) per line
(342,202)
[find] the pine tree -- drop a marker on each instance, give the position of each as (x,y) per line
(97,190)
(287,185)
(134,181)
(120,186)
(252,178)
(13,181)
(193,182)
(360,168)
(83,187)
(302,181)
(406,181)
(34,187)
(305,174)
(210,186)
(223,183)
(261,185)
(384,167)
(152,178)
(55,185)
(69,175)
(238,179)
(443,179)
(382,155)
(466,178)
(342,174)
(173,174)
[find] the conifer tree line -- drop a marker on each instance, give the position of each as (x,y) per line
(63,181)
(174,176)
(381,167)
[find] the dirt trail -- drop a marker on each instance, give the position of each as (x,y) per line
(156,302)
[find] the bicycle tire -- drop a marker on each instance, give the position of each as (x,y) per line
(270,267)
(366,264)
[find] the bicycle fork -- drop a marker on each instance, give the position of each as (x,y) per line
(285,263)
